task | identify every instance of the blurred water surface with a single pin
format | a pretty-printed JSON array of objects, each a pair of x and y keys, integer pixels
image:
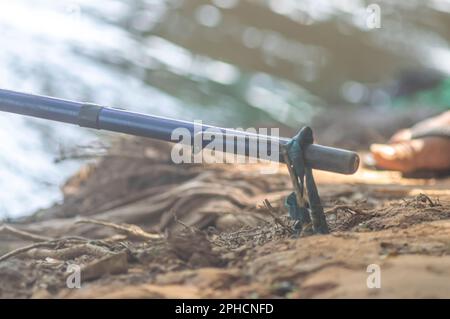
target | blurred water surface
[{"x": 230, "y": 62}]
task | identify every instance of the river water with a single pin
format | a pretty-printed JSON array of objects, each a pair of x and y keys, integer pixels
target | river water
[{"x": 38, "y": 41}]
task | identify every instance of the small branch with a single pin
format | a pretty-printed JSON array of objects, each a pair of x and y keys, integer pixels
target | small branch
[
  {"x": 92, "y": 249},
  {"x": 192, "y": 229},
  {"x": 69, "y": 252},
  {"x": 25, "y": 249},
  {"x": 425, "y": 198},
  {"x": 23, "y": 234},
  {"x": 130, "y": 230},
  {"x": 273, "y": 213},
  {"x": 340, "y": 207}
]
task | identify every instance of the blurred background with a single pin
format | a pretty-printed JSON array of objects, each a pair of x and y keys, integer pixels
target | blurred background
[{"x": 234, "y": 63}]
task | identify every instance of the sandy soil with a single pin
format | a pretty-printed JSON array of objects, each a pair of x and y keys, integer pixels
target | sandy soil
[{"x": 204, "y": 232}]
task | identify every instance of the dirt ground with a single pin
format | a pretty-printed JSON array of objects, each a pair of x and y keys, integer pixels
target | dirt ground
[{"x": 141, "y": 227}]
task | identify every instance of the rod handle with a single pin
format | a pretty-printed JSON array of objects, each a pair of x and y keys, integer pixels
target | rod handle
[{"x": 331, "y": 159}]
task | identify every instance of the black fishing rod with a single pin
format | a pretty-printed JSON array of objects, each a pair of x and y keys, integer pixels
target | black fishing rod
[{"x": 117, "y": 120}]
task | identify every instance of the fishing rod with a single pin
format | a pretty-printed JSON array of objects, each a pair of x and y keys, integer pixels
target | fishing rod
[
  {"x": 161, "y": 128},
  {"x": 299, "y": 153}
]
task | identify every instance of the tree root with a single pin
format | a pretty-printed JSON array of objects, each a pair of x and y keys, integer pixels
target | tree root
[{"x": 50, "y": 247}]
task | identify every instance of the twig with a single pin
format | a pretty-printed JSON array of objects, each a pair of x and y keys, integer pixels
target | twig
[
  {"x": 22, "y": 250},
  {"x": 54, "y": 243},
  {"x": 130, "y": 230},
  {"x": 425, "y": 198},
  {"x": 23, "y": 234},
  {"x": 272, "y": 213},
  {"x": 175, "y": 218},
  {"x": 340, "y": 207},
  {"x": 69, "y": 252}
]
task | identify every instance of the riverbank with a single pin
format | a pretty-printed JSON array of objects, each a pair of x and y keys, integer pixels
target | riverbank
[{"x": 139, "y": 226}]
